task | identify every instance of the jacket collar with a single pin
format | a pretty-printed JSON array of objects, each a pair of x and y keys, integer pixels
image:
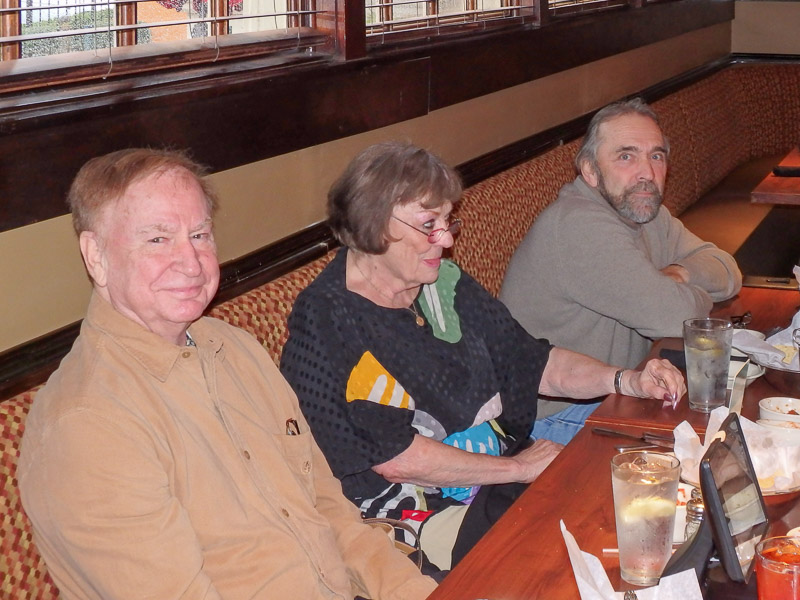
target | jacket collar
[{"x": 155, "y": 354}]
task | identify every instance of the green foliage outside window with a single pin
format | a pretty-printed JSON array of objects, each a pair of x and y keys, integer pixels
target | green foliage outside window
[{"x": 95, "y": 20}]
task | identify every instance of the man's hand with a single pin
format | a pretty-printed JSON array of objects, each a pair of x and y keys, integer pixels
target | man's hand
[
  {"x": 677, "y": 273},
  {"x": 659, "y": 379},
  {"x": 534, "y": 460}
]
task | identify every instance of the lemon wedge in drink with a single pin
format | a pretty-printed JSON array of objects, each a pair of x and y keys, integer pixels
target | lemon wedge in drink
[
  {"x": 647, "y": 508},
  {"x": 706, "y": 344}
]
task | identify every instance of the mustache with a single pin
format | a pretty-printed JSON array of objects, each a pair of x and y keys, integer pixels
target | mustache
[{"x": 643, "y": 186}]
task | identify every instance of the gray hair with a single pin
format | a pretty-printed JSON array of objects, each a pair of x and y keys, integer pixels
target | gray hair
[
  {"x": 591, "y": 141},
  {"x": 361, "y": 201}
]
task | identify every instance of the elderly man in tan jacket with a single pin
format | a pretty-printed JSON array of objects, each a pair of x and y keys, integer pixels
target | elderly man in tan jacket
[{"x": 167, "y": 457}]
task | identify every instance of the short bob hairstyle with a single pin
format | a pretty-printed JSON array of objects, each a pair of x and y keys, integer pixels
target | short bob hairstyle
[
  {"x": 591, "y": 141},
  {"x": 389, "y": 174},
  {"x": 106, "y": 178}
]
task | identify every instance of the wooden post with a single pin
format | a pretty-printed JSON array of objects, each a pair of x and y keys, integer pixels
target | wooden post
[
  {"x": 126, "y": 15},
  {"x": 346, "y": 23},
  {"x": 219, "y": 8},
  {"x": 10, "y": 25}
]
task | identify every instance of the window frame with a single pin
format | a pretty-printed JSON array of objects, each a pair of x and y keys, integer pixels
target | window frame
[{"x": 129, "y": 58}]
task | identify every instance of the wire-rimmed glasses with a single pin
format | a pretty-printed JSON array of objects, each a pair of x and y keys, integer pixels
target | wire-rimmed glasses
[{"x": 454, "y": 226}]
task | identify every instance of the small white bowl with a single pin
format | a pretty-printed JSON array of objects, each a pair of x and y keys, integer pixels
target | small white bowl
[
  {"x": 779, "y": 408},
  {"x": 754, "y": 371},
  {"x": 784, "y": 430}
]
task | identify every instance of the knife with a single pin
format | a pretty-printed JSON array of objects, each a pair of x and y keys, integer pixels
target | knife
[
  {"x": 653, "y": 439},
  {"x": 734, "y": 403}
]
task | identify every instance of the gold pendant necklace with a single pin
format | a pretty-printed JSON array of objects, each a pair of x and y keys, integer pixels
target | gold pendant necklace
[{"x": 418, "y": 318}]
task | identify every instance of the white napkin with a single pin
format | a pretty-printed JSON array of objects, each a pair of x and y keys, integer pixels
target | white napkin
[
  {"x": 775, "y": 459},
  {"x": 764, "y": 352},
  {"x": 593, "y": 582}
]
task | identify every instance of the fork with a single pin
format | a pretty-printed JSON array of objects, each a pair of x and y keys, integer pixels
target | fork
[{"x": 742, "y": 321}]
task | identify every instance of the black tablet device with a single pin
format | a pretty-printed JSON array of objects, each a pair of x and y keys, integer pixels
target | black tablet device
[
  {"x": 735, "y": 517},
  {"x": 733, "y": 502}
]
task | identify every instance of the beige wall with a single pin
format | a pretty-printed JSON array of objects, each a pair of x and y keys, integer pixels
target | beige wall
[
  {"x": 763, "y": 27},
  {"x": 265, "y": 201}
]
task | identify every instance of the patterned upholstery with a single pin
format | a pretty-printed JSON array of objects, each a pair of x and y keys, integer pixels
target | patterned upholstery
[
  {"x": 23, "y": 575},
  {"x": 681, "y": 179},
  {"x": 264, "y": 311},
  {"x": 724, "y": 120},
  {"x": 768, "y": 103},
  {"x": 498, "y": 211},
  {"x": 741, "y": 113}
]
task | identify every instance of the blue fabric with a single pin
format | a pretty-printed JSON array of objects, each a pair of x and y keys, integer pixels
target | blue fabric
[{"x": 564, "y": 425}]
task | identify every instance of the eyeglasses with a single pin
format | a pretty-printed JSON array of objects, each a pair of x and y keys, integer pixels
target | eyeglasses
[{"x": 454, "y": 226}]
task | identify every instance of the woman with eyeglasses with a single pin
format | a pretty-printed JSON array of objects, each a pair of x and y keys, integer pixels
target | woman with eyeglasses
[{"x": 418, "y": 385}]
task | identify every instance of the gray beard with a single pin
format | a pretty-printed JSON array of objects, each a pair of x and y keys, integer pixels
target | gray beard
[{"x": 638, "y": 211}]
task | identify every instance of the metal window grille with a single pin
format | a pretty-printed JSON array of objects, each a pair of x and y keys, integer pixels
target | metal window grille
[
  {"x": 30, "y": 28},
  {"x": 571, "y": 7},
  {"x": 395, "y": 17}
]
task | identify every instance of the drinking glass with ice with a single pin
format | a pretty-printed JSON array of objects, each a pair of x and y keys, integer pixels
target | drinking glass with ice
[
  {"x": 645, "y": 486},
  {"x": 707, "y": 347}
]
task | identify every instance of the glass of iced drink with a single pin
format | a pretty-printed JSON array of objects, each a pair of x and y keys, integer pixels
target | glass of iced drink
[
  {"x": 707, "y": 346},
  {"x": 778, "y": 568},
  {"x": 645, "y": 488}
]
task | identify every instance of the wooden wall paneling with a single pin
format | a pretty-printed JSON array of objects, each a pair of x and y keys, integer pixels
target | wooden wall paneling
[
  {"x": 224, "y": 124},
  {"x": 506, "y": 59}
]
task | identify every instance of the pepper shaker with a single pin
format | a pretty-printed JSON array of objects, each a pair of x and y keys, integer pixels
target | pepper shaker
[{"x": 695, "y": 510}]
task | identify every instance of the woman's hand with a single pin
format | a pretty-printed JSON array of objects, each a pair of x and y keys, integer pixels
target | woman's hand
[
  {"x": 658, "y": 379},
  {"x": 535, "y": 459},
  {"x": 432, "y": 463}
]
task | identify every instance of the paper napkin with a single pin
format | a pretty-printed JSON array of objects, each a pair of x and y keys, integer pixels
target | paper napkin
[{"x": 593, "y": 582}]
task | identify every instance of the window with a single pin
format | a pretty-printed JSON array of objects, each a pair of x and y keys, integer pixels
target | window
[
  {"x": 570, "y": 7},
  {"x": 394, "y": 17},
  {"x": 47, "y": 43},
  {"x": 91, "y": 30}
]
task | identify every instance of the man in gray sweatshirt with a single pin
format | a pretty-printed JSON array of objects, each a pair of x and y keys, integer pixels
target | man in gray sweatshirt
[{"x": 605, "y": 269}]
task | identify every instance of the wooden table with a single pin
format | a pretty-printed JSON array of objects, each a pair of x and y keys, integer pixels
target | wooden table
[
  {"x": 770, "y": 308},
  {"x": 780, "y": 190},
  {"x": 523, "y": 556}
]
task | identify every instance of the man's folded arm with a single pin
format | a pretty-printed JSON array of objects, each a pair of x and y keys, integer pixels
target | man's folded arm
[
  {"x": 616, "y": 279},
  {"x": 712, "y": 269}
]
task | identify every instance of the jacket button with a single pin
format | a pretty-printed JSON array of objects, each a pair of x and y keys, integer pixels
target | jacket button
[
  {"x": 246, "y": 454},
  {"x": 186, "y": 354},
  {"x": 285, "y": 513}
]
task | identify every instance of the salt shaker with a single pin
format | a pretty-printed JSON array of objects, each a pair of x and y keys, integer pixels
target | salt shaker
[{"x": 694, "y": 513}]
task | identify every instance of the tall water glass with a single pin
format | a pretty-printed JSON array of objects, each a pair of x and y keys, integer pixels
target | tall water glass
[
  {"x": 707, "y": 346},
  {"x": 778, "y": 568},
  {"x": 645, "y": 488}
]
